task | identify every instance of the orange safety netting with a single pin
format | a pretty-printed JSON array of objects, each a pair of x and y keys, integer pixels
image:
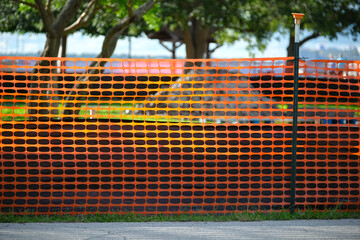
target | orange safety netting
[{"x": 173, "y": 136}]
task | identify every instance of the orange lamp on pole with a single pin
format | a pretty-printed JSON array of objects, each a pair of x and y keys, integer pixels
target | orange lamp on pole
[{"x": 297, "y": 18}]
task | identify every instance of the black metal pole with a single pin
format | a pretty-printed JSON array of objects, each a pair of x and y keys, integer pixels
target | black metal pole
[
  {"x": 294, "y": 129},
  {"x": 298, "y": 17}
]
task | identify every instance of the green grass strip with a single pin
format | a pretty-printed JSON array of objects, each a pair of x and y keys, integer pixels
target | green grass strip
[
  {"x": 131, "y": 217},
  {"x": 117, "y": 111},
  {"x": 322, "y": 106}
]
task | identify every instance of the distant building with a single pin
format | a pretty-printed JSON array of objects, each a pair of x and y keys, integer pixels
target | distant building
[{"x": 350, "y": 53}]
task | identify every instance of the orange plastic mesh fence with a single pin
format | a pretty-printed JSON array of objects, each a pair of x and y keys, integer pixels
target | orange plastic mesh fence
[{"x": 171, "y": 136}]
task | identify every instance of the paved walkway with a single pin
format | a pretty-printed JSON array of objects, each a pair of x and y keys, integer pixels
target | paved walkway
[{"x": 296, "y": 229}]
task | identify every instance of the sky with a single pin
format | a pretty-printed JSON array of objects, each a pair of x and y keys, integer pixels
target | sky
[{"x": 12, "y": 44}]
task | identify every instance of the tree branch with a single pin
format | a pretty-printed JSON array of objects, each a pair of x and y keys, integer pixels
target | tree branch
[
  {"x": 83, "y": 19},
  {"x": 48, "y": 9},
  {"x": 213, "y": 50},
  {"x": 179, "y": 45},
  {"x": 48, "y": 6},
  {"x": 26, "y": 3},
  {"x": 312, "y": 36},
  {"x": 110, "y": 41},
  {"x": 122, "y": 25},
  {"x": 44, "y": 15},
  {"x": 129, "y": 5},
  {"x": 66, "y": 14},
  {"x": 162, "y": 44}
]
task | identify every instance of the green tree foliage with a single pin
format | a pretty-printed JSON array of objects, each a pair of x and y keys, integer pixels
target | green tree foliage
[
  {"x": 52, "y": 17},
  {"x": 327, "y": 18},
  {"x": 27, "y": 16},
  {"x": 225, "y": 21},
  {"x": 112, "y": 13},
  {"x": 14, "y": 18},
  {"x": 198, "y": 20},
  {"x": 59, "y": 18},
  {"x": 120, "y": 22}
]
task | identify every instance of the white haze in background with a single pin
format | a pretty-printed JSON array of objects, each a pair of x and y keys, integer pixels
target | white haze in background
[{"x": 13, "y": 44}]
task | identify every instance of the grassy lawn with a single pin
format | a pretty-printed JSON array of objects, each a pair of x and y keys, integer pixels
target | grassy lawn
[
  {"x": 322, "y": 106},
  {"x": 131, "y": 217},
  {"x": 124, "y": 111}
]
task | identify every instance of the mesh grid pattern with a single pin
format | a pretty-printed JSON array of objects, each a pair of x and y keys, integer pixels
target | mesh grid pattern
[{"x": 173, "y": 136}]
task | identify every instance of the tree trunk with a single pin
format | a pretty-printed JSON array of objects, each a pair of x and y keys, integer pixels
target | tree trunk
[
  {"x": 196, "y": 40},
  {"x": 109, "y": 45},
  {"x": 51, "y": 49},
  {"x": 63, "y": 45},
  {"x": 291, "y": 46},
  {"x": 108, "y": 48},
  {"x": 54, "y": 28},
  {"x": 52, "y": 46},
  {"x": 173, "y": 50}
]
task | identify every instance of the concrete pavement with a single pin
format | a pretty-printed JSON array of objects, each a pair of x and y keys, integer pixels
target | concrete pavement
[{"x": 295, "y": 229}]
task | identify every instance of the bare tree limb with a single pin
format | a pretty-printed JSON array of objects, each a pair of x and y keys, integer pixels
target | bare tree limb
[
  {"x": 162, "y": 44},
  {"x": 312, "y": 36},
  {"x": 83, "y": 19},
  {"x": 122, "y": 25},
  {"x": 217, "y": 46},
  {"x": 44, "y": 15},
  {"x": 179, "y": 45},
  {"x": 26, "y": 3},
  {"x": 66, "y": 14}
]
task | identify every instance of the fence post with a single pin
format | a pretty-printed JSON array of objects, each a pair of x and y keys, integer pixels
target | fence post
[{"x": 297, "y": 17}]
